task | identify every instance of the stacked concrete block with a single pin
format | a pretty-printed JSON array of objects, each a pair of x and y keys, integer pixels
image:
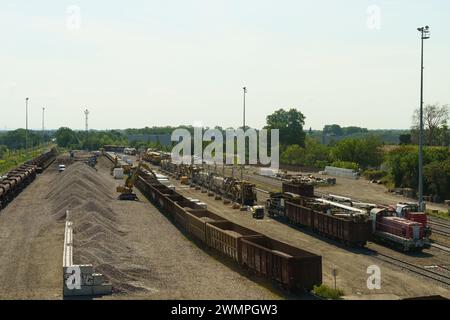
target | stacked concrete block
[{"x": 80, "y": 280}]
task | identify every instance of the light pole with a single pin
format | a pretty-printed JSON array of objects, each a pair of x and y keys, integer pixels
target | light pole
[
  {"x": 424, "y": 34},
  {"x": 86, "y": 119},
  {"x": 26, "y": 124},
  {"x": 243, "y": 164},
  {"x": 43, "y": 126},
  {"x": 245, "y": 91}
]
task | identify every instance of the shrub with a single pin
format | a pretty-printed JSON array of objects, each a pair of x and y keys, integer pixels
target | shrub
[
  {"x": 374, "y": 174},
  {"x": 326, "y": 292},
  {"x": 345, "y": 165},
  {"x": 321, "y": 164}
]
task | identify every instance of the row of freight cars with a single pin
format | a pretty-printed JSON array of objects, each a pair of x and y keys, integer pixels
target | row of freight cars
[
  {"x": 297, "y": 204},
  {"x": 19, "y": 178},
  {"x": 352, "y": 226},
  {"x": 293, "y": 268}
]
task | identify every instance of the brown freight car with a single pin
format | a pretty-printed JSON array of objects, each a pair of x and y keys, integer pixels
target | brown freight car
[
  {"x": 306, "y": 190},
  {"x": 294, "y": 268},
  {"x": 225, "y": 236},
  {"x": 197, "y": 220},
  {"x": 355, "y": 231}
]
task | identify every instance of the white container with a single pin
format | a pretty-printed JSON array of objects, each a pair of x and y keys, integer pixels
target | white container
[
  {"x": 118, "y": 173},
  {"x": 202, "y": 205},
  {"x": 165, "y": 182},
  {"x": 268, "y": 172}
]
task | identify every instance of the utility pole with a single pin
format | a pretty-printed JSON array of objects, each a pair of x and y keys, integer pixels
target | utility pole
[
  {"x": 425, "y": 34},
  {"x": 26, "y": 124},
  {"x": 86, "y": 115}
]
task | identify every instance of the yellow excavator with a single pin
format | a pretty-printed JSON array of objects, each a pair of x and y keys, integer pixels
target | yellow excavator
[
  {"x": 126, "y": 191},
  {"x": 115, "y": 164}
]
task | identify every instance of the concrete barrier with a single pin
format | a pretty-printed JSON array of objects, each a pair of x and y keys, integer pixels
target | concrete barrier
[{"x": 80, "y": 280}]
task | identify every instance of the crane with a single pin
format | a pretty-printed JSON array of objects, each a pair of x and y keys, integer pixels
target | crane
[{"x": 126, "y": 191}]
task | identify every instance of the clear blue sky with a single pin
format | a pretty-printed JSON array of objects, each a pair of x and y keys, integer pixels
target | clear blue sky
[{"x": 144, "y": 63}]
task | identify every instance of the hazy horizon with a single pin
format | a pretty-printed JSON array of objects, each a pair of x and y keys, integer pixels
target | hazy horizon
[{"x": 157, "y": 63}]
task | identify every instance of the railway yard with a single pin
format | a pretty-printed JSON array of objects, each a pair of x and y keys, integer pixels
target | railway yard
[{"x": 184, "y": 239}]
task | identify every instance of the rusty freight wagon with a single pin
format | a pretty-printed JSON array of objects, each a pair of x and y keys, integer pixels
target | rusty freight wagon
[
  {"x": 19, "y": 178},
  {"x": 352, "y": 230},
  {"x": 294, "y": 268},
  {"x": 5, "y": 194},
  {"x": 197, "y": 220},
  {"x": 44, "y": 160},
  {"x": 306, "y": 190},
  {"x": 225, "y": 236},
  {"x": 28, "y": 172}
]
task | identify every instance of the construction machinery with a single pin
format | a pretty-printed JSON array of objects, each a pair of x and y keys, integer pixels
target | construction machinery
[
  {"x": 276, "y": 204},
  {"x": 126, "y": 191},
  {"x": 257, "y": 212},
  {"x": 115, "y": 164}
]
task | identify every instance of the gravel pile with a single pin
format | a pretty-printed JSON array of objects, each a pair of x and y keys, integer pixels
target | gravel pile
[{"x": 98, "y": 239}]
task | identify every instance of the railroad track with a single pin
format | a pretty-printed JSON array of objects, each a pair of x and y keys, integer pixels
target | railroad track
[
  {"x": 439, "y": 221},
  {"x": 441, "y": 277},
  {"x": 441, "y": 247},
  {"x": 440, "y": 228}
]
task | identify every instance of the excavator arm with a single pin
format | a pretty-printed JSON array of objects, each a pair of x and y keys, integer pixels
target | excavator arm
[{"x": 126, "y": 191}]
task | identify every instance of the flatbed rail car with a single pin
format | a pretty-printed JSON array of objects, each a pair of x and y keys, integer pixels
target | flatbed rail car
[
  {"x": 44, "y": 160},
  {"x": 352, "y": 231},
  {"x": 16, "y": 180},
  {"x": 227, "y": 238}
]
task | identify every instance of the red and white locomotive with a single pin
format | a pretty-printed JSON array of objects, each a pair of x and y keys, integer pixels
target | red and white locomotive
[{"x": 406, "y": 234}]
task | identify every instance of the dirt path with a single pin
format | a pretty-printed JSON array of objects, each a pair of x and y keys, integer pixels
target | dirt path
[{"x": 31, "y": 245}]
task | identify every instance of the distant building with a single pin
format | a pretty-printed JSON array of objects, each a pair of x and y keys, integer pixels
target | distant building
[{"x": 162, "y": 139}]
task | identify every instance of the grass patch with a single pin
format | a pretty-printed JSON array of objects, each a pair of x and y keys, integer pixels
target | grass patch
[
  {"x": 345, "y": 165},
  {"x": 17, "y": 158},
  {"x": 326, "y": 292},
  {"x": 439, "y": 214}
]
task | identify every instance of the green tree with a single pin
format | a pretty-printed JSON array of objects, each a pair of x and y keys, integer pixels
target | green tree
[
  {"x": 293, "y": 155},
  {"x": 314, "y": 154},
  {"x": 364, "y": 152},
  {"x": 290, "y": 123},
  {"x": 3, "y": 151},
  {"x": 16, "y": 139},
  {"x": 437, "y": 178},
  {"x": 403, "y": 165},
  {"x": 66, "y": 138},
  {"x": 405, "y": 138},
  {"x": 435, "y": 118},
  {"x": 353, "y": 130},
  {"x": 333, "y": 129}
]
